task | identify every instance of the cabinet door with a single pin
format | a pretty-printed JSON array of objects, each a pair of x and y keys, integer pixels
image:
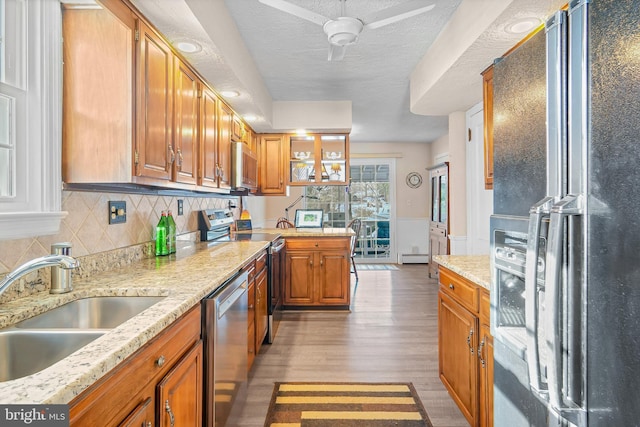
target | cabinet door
[
  {"x": 261, "y": 308},
  {"x": 186, "y": 124},
  {"x": 487, "y": 97},
  {"x": 99, "y": 53},
  {"x": 333, "y": 284},
  {"x": 180, "y": 392},
  {"x": 155, "y": 153},
  {"x": 299, "y": 278},
  {"x": 485, "y": 358},
  {"x": 143, "y": 416},
  {"x": 225, "y": 124},
  {"x": 208, "y": 139},
  {"x": 272, "y": 179},
  {"x": 457, "y": 343}
]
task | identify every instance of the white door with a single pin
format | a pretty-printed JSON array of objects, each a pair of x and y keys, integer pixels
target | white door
[{"x": 479, "y": 200}]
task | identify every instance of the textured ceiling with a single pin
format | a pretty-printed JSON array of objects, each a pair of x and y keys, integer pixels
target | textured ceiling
[
  {"x": 269, "y": 55},
  {"x": 291, "y": 55}
]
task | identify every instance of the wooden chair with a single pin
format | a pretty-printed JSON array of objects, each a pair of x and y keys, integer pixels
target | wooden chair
[
  {"x": 284, "y": 223},
  {"x": 355, "y": 225}
]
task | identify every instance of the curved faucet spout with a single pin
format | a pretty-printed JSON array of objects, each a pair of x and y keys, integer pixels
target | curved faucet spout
[{"x": 63, "y": 261}]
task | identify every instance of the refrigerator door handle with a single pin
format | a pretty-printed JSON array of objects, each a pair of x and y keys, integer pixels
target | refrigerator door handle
[
  {"x": 536, "y": 214},
  {"x": 568, "y": 206}
]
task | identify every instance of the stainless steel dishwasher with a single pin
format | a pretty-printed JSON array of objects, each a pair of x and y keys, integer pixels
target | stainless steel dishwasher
[{"x": 225, "y": 357}]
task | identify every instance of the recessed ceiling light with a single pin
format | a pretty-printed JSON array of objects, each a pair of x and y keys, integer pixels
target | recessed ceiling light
[
  {"x": 230, "y": 93},
  {"x": 187, "y": 46},
  {"x": 523, "y": 25},
  {"x": 250, "y": 118},
  {"x": 301, "y": 132}
]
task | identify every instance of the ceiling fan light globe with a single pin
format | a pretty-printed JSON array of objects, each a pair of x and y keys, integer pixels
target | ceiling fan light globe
[{"x": 343, "y": 31}]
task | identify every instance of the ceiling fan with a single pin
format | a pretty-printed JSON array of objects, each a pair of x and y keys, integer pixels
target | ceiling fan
[{"x": 344, "y": 30}]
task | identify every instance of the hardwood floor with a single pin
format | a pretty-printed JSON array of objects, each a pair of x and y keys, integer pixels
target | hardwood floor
[{"x": 390, "y": 334}]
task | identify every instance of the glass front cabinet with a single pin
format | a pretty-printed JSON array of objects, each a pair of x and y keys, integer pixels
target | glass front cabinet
[
  {"x": 320, "y": 158},
  {"x": 439, "y": 218}
]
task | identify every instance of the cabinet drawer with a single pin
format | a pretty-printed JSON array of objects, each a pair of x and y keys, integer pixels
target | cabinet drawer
[
  {"x": 462, "y": 290},
  {"x": 485, "y": 307},
  {"x": 261, "y": 262},
  {"x": 306, "y": 243}
]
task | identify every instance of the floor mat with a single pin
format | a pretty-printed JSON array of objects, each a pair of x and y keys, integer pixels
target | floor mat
[
  {"x": 346, "y": 405},
  {"x": 376, "y": 267}
]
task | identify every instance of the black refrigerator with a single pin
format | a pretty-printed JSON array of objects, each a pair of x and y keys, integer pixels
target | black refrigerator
[{"x": 565, "y": 241}]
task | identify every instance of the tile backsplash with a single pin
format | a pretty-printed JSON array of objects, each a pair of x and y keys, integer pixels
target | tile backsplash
[{"x": 87, "y": 228}]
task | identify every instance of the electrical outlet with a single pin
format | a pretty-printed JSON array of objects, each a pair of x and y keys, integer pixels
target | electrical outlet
[
  {"x": 117, "y": 212},
  {"x": 180, "y": 207}
]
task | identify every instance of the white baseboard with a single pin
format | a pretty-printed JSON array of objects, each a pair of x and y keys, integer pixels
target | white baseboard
[{"x": 413, "y": 258}]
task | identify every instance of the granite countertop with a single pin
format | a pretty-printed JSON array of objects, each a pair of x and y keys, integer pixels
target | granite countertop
[
  {"x": 310, "y": 232},
  {"x": 185, "y": 278},
  {"x": 473, "y": 267}
]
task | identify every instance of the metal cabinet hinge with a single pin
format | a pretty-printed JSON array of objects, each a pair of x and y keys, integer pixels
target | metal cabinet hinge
[
  {"x": 136, "y": 158},
  {"x": 137, "y": 35}
]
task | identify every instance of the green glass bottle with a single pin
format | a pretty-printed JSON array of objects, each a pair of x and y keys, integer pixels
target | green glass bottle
[
  {"x": 171, "y": 233},
  {"x": 161, "y": 236}
]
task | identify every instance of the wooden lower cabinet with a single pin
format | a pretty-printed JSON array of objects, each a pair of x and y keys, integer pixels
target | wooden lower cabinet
[
  {"x": 465, "y": 356},
  {"x": 180, "y": 392},
  {"x": 136, "y": 392},
  {"x": 317, "y": 272},
  {"x": 257, "y": 317}
]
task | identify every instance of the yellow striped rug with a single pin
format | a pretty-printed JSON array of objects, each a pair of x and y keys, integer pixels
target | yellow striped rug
[{"x": 346, "y": 405}]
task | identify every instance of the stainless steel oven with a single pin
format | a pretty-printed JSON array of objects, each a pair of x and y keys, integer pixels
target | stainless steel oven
[{"x": 276, "y": 286}]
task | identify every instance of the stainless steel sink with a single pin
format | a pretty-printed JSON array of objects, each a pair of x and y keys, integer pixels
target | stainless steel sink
[
  {"x": 91, "y": 313},
  {"x": 27, "y": 352}
]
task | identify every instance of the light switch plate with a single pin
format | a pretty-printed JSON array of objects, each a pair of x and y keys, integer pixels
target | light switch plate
[{"x": 117, "y": 212}]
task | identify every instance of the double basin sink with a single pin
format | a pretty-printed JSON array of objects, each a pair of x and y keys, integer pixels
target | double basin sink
[{"x": 34, "y": 344}]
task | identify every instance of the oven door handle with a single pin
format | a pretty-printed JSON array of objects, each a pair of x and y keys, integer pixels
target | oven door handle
[{"x": 278, "y": 246}]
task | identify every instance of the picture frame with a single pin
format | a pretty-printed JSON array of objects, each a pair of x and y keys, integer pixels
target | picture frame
[{"x": 309, "y": 218}]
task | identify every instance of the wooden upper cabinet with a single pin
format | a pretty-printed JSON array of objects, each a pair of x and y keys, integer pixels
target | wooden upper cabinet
[
  {"x": 208, "y": 139},
  {"x": 487, "y": 97},
  {"x": 186, "y": 124},
  {"x": 271, "y": 158},
  {"x": 155, "y": 152},
  {"x": 225, "y": 129},
  {"x": 238, "y": 130},
  {"x": 98, "y": 90}
]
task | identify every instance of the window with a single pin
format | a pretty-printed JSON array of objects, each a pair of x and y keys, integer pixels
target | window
[
  {"x": 30, "y": 118},
  {"x": 370, "y": 198}
]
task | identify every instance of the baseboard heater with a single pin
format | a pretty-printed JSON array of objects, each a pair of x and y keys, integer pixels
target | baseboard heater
[{"x": 413, "y": 258}]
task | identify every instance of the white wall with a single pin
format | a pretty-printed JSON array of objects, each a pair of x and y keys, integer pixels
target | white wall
[{"x": 479, "y": 200}]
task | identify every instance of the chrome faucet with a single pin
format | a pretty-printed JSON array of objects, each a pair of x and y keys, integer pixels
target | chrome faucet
[{"x": 57, "y": 261}]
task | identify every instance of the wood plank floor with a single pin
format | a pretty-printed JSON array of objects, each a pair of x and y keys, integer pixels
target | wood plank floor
[{"x": 390, "y": 334}]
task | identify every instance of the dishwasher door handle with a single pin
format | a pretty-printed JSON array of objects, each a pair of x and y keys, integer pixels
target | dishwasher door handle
[{"x": 225, "y": 304}]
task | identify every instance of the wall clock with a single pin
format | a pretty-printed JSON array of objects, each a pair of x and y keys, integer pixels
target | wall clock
[{"x": 414, "y": 179}]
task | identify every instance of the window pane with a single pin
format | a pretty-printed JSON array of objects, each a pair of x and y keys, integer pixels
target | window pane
[
  {"x": 7, "y": 178},
  {"x": 13, "y": 30}
]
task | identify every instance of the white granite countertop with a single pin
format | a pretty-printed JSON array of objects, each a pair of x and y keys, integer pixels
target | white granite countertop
[
  {"x": 473, "y": 267},
  {"x": 184, "y": 279},
  {"x": 310, "y": 232}
]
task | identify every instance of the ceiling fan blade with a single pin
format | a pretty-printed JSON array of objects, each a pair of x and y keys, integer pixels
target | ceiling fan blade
[
  {"x": 336, "y": 53},
  {"x": 396, "y": 13},
  {"x": 295, "y": 10}
]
